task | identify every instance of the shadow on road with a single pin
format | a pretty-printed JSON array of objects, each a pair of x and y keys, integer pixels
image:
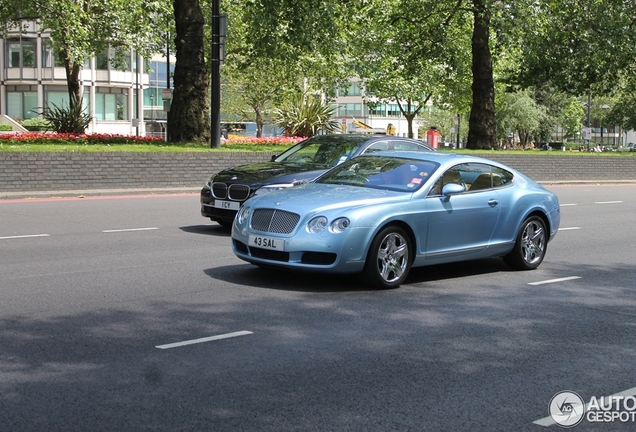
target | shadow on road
[
  {"x": 287, "y": 280},
  {"x": 214, "y": 230}
]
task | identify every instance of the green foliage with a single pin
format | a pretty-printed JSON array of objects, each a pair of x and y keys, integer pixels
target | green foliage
[
  {"x": 623, "y": 109},
  {"x": 576, "y": 45},
  {"x": 81, "y": 29},
  {"x": 36, "y": 124},
  {"x": 71, "y": 119},
  {"x": 520, "y": 113},
  {"x": 305, "y": 115},
  {"x": 5, "y": 127}
]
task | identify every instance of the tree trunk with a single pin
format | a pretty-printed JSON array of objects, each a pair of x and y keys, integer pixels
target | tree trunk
[
  {"x": 482, "y": 129},
  {"x": 189, "y": 115},
  {"x": 259, "y": 120},
  {"x": 73, "y": 83}
]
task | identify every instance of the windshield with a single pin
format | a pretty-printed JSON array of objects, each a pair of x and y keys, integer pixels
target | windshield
[
  {"x": 323, "y": 150},
  {"x": 381, "y": 172}
]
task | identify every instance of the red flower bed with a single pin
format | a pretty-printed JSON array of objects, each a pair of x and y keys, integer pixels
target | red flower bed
[
  {"x": 100, "y": 138},
  {"x": 66, "y": 138},
  {"x": 281, "y": 140}
]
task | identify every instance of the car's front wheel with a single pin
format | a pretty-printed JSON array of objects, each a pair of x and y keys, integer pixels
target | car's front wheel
[
  {"x": 530, "y": 246},
  {"x": 389, "y": 258}
]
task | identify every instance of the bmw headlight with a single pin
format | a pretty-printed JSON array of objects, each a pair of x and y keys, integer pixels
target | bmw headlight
[
  {"x": 270, "y": 188},
  {"x": 340, "y": 224},
  {"x": 243, "y": 214},
  {"x": 317, "y": 225}
]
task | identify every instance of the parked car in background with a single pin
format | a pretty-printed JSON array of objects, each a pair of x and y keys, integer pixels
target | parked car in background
[
  {"x": 382, "y": 213},
  {"x": 226, "y": 191}
]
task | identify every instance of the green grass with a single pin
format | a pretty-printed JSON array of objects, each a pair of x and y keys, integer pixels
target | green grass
[{"x": 161, "y": 146}]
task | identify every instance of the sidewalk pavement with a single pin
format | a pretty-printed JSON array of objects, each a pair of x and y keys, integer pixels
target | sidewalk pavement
[{"x": 83, "y": 193}]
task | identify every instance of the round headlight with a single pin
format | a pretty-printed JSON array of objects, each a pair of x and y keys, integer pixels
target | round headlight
[
  {"x": 317, "y": 225},
  {"x": 243, "y": 214},
  {"x": 340, "y": 224}
]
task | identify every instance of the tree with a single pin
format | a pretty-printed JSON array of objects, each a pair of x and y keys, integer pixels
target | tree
[
  {"x": 81, "y": 29},
  {"x": 401, "y": 64},
  {"x": 252, "y": 91},
  {"x": 623, "y": 109},
  {"x": 188, "y": 118},
  {"x": 578, "y": 46},
  {"x": 518, "y": 112},
  {"x": 482, "y": 127}
]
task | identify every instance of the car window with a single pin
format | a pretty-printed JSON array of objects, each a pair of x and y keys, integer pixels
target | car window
[
  {"x": 378, "y": 146},
  {"x": 408, "y": 146},
  {"x": 474, "y": 177},
  {"x": 452, "y": 175},
  {"x": 488, "y": 177},
  {"x": 501, "y": 177},
  {"x": 328, "y": 154}
]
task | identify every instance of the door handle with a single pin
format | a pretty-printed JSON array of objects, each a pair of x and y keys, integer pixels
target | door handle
[{"x": 493, "y": 202}]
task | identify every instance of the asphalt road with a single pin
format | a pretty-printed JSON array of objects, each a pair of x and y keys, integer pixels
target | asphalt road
[{"x": 102, "y": 300}]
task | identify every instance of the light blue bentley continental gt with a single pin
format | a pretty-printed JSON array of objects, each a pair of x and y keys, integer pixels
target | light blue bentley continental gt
[{"x": 383, "y": 213}]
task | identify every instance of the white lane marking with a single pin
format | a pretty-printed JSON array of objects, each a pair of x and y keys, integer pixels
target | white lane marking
[
  {"x": 25, "y": 236},
  {"x": 547, "y": 421},
  {"x": 608, "y": 202},
  {"x": 569, "y": 228},
  {"x": 130, "y": 229},
  {"x": 205, "y": 339},
  {"x": 554, "y": 280},
  {"x": 568, "y": 205}
]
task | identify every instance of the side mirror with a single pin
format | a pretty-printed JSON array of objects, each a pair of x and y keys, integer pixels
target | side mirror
[
  {"x": 273, "y": 159},
  {"x": 453, "y": 189}
]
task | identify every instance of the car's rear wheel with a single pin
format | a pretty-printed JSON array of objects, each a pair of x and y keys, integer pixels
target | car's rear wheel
[
  {"x": 530, "y": 246},
  {"x": 389, "y": 258}
]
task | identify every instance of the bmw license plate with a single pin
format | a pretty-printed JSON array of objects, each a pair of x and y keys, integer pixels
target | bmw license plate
[
  {"x": 227, "y": 205},
  {"x": 267, "y": 243}
]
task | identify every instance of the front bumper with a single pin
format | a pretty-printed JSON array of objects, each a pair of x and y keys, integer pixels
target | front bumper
[
  {"x": 210, "y": 210},
  {"x": 328, "y": 252}
]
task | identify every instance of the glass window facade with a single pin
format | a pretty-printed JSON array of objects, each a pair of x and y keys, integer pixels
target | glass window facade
[
  {"x": 49, "y": 57},
  {"x": 352, "y": 89},
  {"x": 158, "y": 74},
  {"x": 350, "y": 110},
  {"x": 378, "y": 110},
  {"x": 21, "y": 53},
  {"x": 111, "y": 106},
  {"x": 393, "y": 110},
  {"x": 22, "y": 105}
]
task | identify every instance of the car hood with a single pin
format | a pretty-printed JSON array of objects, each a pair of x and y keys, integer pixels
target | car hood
[
  {"x": 323, "y": 197},
  {"x": 270, "y": 173}
]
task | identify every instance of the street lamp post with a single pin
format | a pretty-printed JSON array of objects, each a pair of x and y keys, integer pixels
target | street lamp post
[
  {"x": 152, "y": 114},
  {"x": 215, "y": 77},
  {"x": 219, "y": 22}
]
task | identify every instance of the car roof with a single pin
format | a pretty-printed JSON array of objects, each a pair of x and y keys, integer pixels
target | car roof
[
  {"x": 442, "y": 158},
  {"x": 362, "y": 138}
]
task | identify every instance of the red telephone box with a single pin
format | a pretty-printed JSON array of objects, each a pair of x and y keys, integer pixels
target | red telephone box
[{"x": 432, "y": 137}]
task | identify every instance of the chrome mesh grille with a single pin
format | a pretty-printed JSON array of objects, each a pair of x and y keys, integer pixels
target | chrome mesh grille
[
  {"x": 238, "y": 192},
  {"x": 274, "y": 221}
]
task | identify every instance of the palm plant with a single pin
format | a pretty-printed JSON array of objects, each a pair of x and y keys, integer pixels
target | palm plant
[
  {"x": 305, "y": 115},
  {"x": 71, "y": 119}
]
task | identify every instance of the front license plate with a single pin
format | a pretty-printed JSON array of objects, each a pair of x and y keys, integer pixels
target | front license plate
[
  {"x": 267, "y": 243},
  {"x": 227, "y": 205}
]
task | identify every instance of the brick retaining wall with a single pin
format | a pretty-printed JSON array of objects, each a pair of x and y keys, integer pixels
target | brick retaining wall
[{"x": 86, "y": 171}]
